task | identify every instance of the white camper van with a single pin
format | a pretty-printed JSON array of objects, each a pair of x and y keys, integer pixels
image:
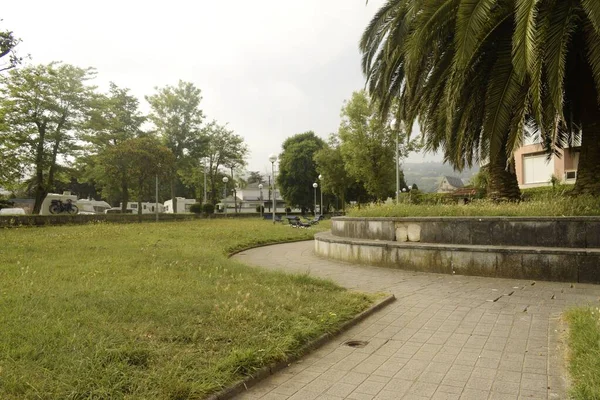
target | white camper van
[
  {"x": 89, "y": 206},
  {"x": 45, "y": 210},
  {"x": 183, "y": 205},
  {"x": 147, "y": 208}
]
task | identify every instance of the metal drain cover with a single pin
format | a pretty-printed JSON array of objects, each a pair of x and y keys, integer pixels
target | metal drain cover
[{"x": 355, "y": 343}]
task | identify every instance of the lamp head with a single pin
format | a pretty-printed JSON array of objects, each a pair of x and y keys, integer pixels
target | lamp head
[
  {"x": 225, "y": 179},
  {"x": 260, "y": 186},
  {"x": 320, "y": 177},
  {"x": 315, "y": 185},
  {"x": 273, "y": 158}
]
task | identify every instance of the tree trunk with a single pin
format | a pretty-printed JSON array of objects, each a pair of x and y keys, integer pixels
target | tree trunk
[
  {"x": 588, "y": 170},
  {"x": 503, "y": 184},
  {"x": 40, "y": 189},
  {"x": 173, "y": 196},
  {"x": 124, "y": 194}
]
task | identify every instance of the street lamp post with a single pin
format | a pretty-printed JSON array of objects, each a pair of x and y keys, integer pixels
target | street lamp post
[
  {"x": 315, "y": 186},
  {"x": 225, "y": 180},
  {"x": 321, "y": 206},
  {"x": 262, "y": 205},
  {"x": 395, "y": 127},
  {"x": 272, "y": 159}
]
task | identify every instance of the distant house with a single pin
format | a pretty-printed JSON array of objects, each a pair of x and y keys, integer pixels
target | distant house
[
  {"x": 534, "y": 167},
  {"x": 250, "y": 197},
  {"x": 449, "y": 184}
]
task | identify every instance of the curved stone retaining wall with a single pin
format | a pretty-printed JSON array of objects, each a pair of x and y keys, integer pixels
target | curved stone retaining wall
[
  {"x": 556, "y": 249},
  {"x": 573, "y": 232}
]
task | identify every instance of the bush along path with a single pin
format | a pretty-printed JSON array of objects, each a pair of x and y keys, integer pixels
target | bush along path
[
  {"x": 446, "y": 337},
  {"x": 152, "y": 311}
]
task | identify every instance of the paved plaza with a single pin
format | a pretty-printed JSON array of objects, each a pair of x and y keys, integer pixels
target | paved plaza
[{"x": 445, "y": 337}]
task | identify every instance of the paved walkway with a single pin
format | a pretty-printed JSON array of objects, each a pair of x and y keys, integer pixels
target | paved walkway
[{"x": 445, "y": 337}]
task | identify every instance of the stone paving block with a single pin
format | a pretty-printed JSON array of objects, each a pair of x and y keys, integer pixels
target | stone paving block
[
  {"x": 502, "y": 396},
  {"x": 531, "y": 395},
  {"x": 289, "y": 388},
  {"x": 360, "y": 396},
  {"x": 328, "y": 397},
  {"x": 508, "y": 387},
  {"x": 479, "y": 383},
  {"x": 385, "y": 395},
  {"x": 318, "y": 386},
  {"x": 304, "y": 395},
  {"x": 370, "y": 387},
  {"x": 423, "y": 388},
  {"x": 341, "y": 389},
  {"x": 354, "y": 378},
  {"x": 474, "y": 394}
]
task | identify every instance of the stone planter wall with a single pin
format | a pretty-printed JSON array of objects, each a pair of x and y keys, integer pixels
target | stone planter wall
[
  {"x": 556, "y": 249},
  {"x": 572, "y": 232}
]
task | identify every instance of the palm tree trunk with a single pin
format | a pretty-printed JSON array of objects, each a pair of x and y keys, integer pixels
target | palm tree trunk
[
  {"x": 588, "y": 170},
  {"x": 503, "y": 184}
]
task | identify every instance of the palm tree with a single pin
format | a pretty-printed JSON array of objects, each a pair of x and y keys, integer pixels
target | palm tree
[{"x": 475, "y": 72}]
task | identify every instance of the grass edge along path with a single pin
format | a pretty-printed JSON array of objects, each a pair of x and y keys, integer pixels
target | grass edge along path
[
  {"x": 584, "y": 352},
  {"x": 153, "y": 310}
]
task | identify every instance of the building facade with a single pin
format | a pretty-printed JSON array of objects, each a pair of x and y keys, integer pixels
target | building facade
[{"x": 534, "y": 167}]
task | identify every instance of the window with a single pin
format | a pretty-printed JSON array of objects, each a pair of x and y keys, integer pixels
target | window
[
  {"x": 133, "y": 205},
  {"x": 537, "y": 168}
]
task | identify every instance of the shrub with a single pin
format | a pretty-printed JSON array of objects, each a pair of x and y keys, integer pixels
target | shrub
[
  {"x": 208, "y": 209},
  {"x": 196, "y": 208},
  {"x": 6, "y": 204}
]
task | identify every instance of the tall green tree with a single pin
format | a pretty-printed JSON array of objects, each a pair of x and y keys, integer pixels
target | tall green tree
[
  {"x": 176, "y": 114},
  {"x": 138, "y": 161},
  {"x": 298, "y": 170},
  {"x": 475, "y": 72},
  {"x": 330, "y": 164},
  {"x": 8, "y": 56},
  {"x": 41, "y": 109},
  {"x": 367, "y": 145},
  {"x": 224, "y": 149},
  {"x": 113, "y": 119}
]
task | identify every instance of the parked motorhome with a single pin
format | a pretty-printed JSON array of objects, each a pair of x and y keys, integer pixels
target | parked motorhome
[
  {"x": 89, "y": 206},
  {"x": 183, "y": 205},
  {"x": 45, "y": 210},
  {"x": 147, "y": 208}
]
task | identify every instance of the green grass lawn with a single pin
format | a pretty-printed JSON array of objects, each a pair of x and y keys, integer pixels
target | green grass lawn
[
  {"x": 551, "y": 206},
  {"x": 584, "y": 357},
  {"x": 151, "y": 311}
]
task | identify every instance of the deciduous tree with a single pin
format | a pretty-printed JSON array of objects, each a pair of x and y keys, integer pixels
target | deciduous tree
[
  {"x": 41, "y": 109},
  {"x": 298, "y": 170},
  {"x": 177, "y": 116},
  {"x": 367, "y": 146},
  {"x": 113, "y": 118}
]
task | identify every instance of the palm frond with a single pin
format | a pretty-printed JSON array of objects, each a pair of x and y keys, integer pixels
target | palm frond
[
  {"x": 592, "y": 9},
  {"x": 525, "y": 40},
  {"x": 592, "y": 38},
  {"x": 472, "y": 19},
  {"x": 501, "y": 97},
  {"x": 563, "y": 23}
]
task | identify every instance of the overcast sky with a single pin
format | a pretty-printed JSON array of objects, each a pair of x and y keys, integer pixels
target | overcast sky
[{"x": 269, "y": 68}]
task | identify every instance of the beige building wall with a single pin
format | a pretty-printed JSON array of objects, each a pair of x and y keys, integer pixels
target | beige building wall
[{"x": 566, "y": 160}]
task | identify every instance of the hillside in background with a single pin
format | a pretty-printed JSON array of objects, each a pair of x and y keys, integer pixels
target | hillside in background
[{"x": 428, "y": 175}]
